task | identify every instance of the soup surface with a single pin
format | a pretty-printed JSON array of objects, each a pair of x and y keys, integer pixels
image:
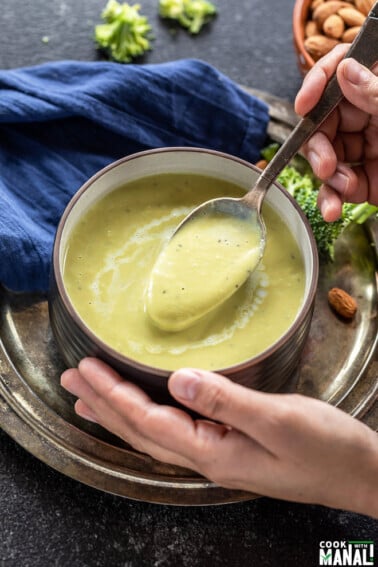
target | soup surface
[{"x": 111, "y": 253}]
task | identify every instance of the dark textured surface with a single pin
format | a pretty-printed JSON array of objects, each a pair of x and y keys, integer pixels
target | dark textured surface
[
  {"x": 48, "y": 519},
  {"x": 250, "y": 40}
]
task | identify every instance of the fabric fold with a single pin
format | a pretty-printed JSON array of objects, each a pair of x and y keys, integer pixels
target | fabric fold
[{"x": 61, "y": 122}]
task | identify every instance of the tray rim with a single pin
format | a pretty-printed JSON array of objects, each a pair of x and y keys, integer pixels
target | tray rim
[{"x": 31, "y": 435}]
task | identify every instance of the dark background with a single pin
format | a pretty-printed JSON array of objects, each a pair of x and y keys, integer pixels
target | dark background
[{"x": 47, "y": 519}]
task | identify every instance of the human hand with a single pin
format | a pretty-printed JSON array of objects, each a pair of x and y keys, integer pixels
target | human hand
[
  {"x": 280, "y": 445},
  {"x": 344, "y": 151}
]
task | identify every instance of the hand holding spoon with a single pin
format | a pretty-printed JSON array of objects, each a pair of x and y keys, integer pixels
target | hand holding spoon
[{"x": 224, "y": 239}]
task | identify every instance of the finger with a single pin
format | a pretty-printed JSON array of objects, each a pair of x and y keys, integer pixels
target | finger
[
  {"x": 71, "y": 381},
  {"x": 351, "y": 183},
  {"x": 359, "y": 85},
  {"x": 351, "y": 118},
  {"x": 317, "y": 79},
  {"x": 321, "y": 155},
  {"x": 167, "y": 433},
  {"x": 350, "y": 147},
  {"x": 84, "y": 411},
  {"x": 253, "y": 413},
  {"x": 94, "y": 408},
  {"x": 132, "y": 438},
  {"x": 329, "y": 203}
]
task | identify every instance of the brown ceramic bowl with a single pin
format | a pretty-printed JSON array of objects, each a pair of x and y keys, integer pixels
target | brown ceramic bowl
[
  {"x": 301, "y": 14},
  {"x": 269, "y": 370}
]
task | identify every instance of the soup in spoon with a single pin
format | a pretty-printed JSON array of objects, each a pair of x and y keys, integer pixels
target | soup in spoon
[{"x": 201, "y": 266}]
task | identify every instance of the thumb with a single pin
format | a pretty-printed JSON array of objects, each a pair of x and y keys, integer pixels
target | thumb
[
  {"x": 218, "y": 398},
  {"x": 359, "y": 85}
]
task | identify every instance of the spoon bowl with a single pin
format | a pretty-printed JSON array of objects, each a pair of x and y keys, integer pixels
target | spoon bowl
[{"x": 208, "y": 258}]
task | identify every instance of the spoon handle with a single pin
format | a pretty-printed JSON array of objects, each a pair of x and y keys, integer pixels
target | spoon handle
[{"x": 365, "y": 50}]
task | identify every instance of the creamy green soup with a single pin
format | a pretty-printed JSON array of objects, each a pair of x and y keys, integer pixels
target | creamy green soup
[{"x": 111, "y": 254}]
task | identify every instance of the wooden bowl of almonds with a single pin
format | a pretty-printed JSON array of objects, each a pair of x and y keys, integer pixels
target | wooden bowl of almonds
[{"x": 319, "y": 25}]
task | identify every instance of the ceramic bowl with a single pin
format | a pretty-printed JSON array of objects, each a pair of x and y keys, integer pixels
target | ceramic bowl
[{"x": 269, "y": 370}]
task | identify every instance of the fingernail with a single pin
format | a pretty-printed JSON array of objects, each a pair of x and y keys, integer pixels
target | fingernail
[
  {"x": 313, "y": 78},
  {"x": 185, "y": 384},
  {"x": 65, "y": 383},
  {"x": 339, "y": 181},
  {"x": 324, "y": 206},
  {"x": 355, "y": 73},
  {"x": 313, "y": 159},
  {"x": 87, "y": 417},
  {"x": 326, "y": 209},
  {"x": 86, "y": 414}
]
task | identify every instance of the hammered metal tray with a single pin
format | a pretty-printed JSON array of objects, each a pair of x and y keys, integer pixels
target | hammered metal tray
[{"x": 339, "y": 365}]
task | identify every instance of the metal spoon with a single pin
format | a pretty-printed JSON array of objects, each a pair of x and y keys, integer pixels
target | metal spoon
[
  {"x": 365, "y": 50},
  {"x": 179, "y": 309}
]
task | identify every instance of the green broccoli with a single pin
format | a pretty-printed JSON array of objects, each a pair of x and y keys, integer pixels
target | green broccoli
[
  {"x": 191, "y": 14},
  {"x": 299, "y": 180},
  {"x": 125, "y": 34}
]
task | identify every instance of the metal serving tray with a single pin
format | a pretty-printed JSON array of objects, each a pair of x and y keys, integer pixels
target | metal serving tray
[{"x": 339, "y": 365}]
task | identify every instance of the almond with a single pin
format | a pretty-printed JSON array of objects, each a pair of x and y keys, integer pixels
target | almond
[
  {"x": 343, "y": 303},
  {"x": 319, "y": 45},
  {"x": 334, "y": 26},
  {"x": 350, "y": 34},
  {"x": 261, "y": 164},
  {"x": 311, "y": 29},
  {"x": 364, "y": 6},
  {"x": 323, "y": 11},
  {"x": 351, "y": 16}
]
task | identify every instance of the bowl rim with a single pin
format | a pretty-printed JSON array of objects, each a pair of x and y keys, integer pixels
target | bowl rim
[
  {"x": 299, "y": 18},
  {"x": 124, "y": 360}
]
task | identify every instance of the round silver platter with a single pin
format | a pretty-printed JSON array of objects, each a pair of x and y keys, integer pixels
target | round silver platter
[{"x": 339, "y": 365}]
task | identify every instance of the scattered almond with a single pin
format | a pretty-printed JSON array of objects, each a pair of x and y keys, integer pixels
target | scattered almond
[
  {"x": 349, "y": 34},
  {"x": 334, "y": 26},
  {"x": 343, "y": 303},
  {"x": 319, "y": 45},
  {"x": 261, "y": 164}
]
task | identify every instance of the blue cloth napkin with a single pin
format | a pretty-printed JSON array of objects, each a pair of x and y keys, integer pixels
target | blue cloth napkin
[{"x": 61, "y": 122}]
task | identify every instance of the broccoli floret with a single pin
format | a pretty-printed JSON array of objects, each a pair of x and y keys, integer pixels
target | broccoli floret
[
  {"x": 302, "y": 188},
  {"x": 299, "y": 180},
  {"x": 125, "y": 35},
  {"x": 325, "y": 233},
  {"x": 360, "y": 213},
  {"x": 191, "y": 14}
]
